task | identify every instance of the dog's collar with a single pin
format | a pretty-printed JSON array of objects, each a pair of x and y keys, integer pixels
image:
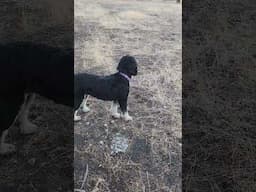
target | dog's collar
[{"x": 125, "y": 76}]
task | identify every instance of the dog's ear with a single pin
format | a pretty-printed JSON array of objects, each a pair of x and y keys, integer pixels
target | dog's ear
[{"x": 128, "y": 65}]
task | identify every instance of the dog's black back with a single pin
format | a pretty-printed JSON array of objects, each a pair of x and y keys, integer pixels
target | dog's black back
[
  {"x": 40, "y": 69},
  {"x": 26, "y": 67},
  {"x": 107, "y": 88}
]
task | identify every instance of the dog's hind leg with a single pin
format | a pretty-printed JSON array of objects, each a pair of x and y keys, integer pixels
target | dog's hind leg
[
  {"x": 77, "y": 117},
  {"x": 84, "y": 106},
  {"x": 6, "y": 148},
  {"x": 26, "y": 126},
  {"x": 114, "y": 111}
]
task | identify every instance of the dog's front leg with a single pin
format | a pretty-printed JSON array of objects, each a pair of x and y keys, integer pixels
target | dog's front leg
[
  {"x": 125, "y": 115},
  {"x": 114, "y": 111},
  {"x": 6, "y": 148},
  {"x": 26, "y": 126}
]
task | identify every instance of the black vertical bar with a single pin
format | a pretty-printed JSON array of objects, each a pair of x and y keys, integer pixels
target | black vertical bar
[{"x": 37, "y": 56}]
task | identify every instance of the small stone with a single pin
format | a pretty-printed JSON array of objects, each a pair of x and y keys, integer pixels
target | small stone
[
  {"x": 101, "y": 142},
  {"x": 119, "y": 144},
  {"x": 112, "y": 121},
  {"x": 32, "y": 161},
  {"x": 105, "y": 125},
  {"x": 87, "y": 123}
]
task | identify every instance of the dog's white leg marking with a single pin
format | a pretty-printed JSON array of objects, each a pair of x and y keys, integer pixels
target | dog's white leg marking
[
  {"x": 126, "y": 116},
  {"x": 26, "y": 126},
  {"x": 77, "y": 117},
  {"x": 114, "y": 111},
  {"x": 6, "y": 148},
  {"x": 85, "y": 108}
]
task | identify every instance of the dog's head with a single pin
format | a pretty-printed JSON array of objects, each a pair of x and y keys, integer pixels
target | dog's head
[{"x": 128, "y": 65}]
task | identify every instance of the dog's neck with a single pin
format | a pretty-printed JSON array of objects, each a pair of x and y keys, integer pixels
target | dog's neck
[{"x": 125, "y": 76}]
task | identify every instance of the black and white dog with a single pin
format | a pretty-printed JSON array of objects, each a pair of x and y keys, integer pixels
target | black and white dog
[
  {"x": 114, "y": 88},
  {"x": 29, "y": 68}
]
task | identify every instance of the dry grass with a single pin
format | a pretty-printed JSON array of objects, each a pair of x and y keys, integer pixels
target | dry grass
[
  {"x": 151, "y": 31},
  {"x": 41, "y": 21},
  {"x": 219, "y": 97}
]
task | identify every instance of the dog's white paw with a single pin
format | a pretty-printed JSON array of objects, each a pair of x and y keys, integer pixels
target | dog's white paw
[
  {"x": 127, "y": 117},
  {"x": 6, "y": 148},
  {"x": 28, "y": 128},
  {"x": 77, "y": 118},
  {"x": 85, "y": 109},
  {"x": 116, "y": 115}
]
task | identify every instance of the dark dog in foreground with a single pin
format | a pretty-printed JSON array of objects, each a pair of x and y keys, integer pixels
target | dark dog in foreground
[
  {"x": 28, "y": 68},
  {"x": 109, "y": 88}
]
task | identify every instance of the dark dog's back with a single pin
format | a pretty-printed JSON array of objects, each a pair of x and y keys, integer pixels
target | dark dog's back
[
  {"x": 101, "y": 87},
  {"x": 107, "y": 88},
  {"x": 41, "y": 69}
]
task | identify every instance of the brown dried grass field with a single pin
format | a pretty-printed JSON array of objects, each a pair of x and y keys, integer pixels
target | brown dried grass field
[{"x": 150, "y": 31}]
